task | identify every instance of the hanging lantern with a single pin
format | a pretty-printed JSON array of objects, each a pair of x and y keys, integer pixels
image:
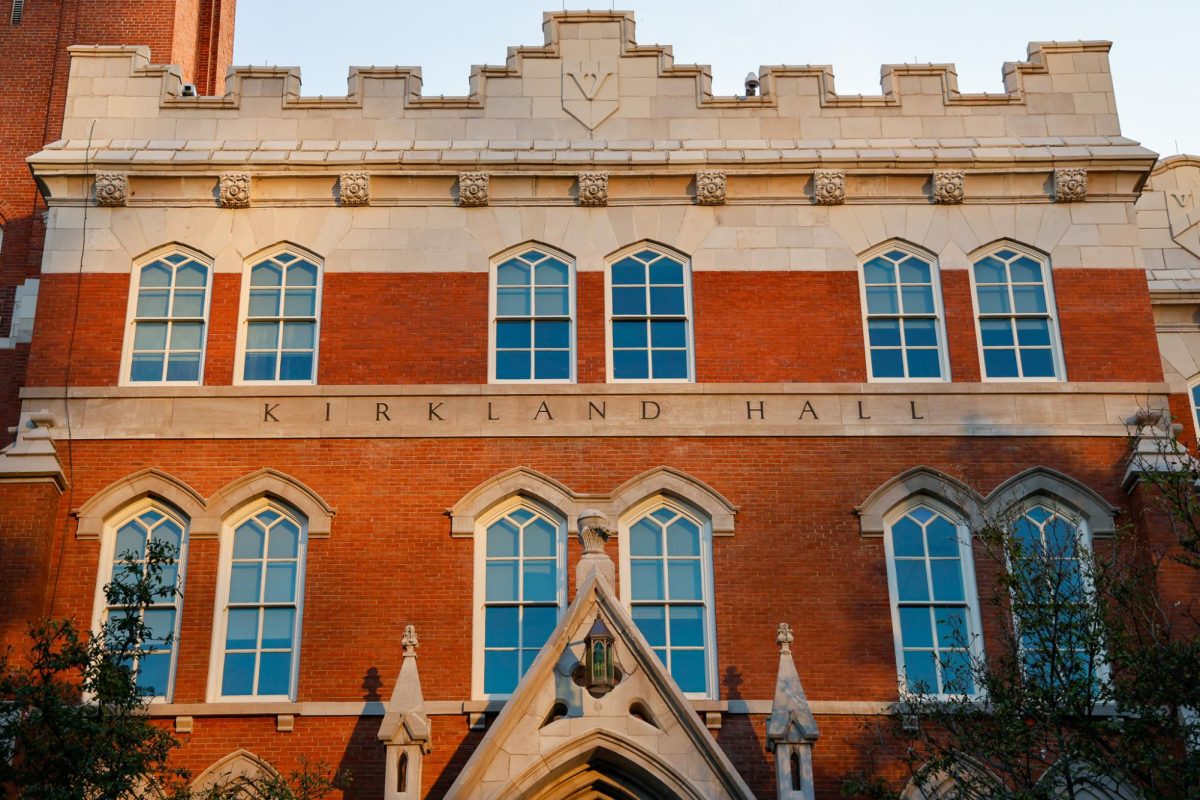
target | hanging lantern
[{"x": 598, "y": 673}]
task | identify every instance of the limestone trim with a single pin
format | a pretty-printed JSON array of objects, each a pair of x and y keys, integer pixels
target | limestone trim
[
  {"x": 31, "y": 458},
  {"x": 1061, "y": 490},
  {"x": 473, "y": 189},
  {"x": 558, "y": 498},
  {"x": 949, "y": 186},
  {"x": 266, "y": 483},
  {"x": 151, "y": 483},
  {"x": 233, "y": 189},
  {"x": 238, "y": 764},
  {"x": 354, "y": 188},
  {"x": 711, "y": 187},
  {"x": 918, "y": 482},
  {"x": 593, "y": 188},
  {"x": 829, "y": 187},
  {"x": 1070, "y": 185},
  {"x": 111, "y": 189}
]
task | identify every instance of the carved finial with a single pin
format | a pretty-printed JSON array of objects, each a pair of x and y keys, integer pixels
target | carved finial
[
  {"x": 410, "y": 641},
  {"x": 593, "y": 531},
  {"x": 784, "y": 638}
]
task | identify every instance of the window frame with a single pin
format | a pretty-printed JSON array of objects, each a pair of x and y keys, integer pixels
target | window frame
[
  {"x": 239, "y": 360},
  {"x": 108, "y": 543},
  {"x": 131, "y": 317},
  {"x": 689, "y": 312},
  {"x": 627, "y": 520},
  {"x": 216, "y": 665},
  {"x": 970, "y": 587},
  {"x": 479, "y": 590},
  {"x": 939, "y": 311},
  {"x": 493, "y": 319},
  {"x": 1056, "y": 352},
  {"x": 1193, "y": 387}
]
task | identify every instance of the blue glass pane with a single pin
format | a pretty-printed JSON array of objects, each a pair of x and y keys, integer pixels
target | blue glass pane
[
  {"x": 1007, "y": 255},
  {"x": 952, "y": 630},
  {"x": 957, "y": 677},
  {"x": 647, "y": 580},
  {"x": 668, "y": 333},
  {"x": 248, "y": 540},
  {"x": 630, "y": 364},
  {"x": 156, "y": 275},
  {"x": 887, "y": 364},
  {"x": 629, "y": 334},
  {"x": 501, "y": 580},
  {"x": 154, "y": 674},
  {"x": 186, "y": 335},
  {"x": 552, "y": 364},
  {"x": 285, "y": 540},
  {"x": 1029, "y": 537},
  {"x": 264, "y": 303},
  {"x": 628, "y": 271},
  {"x": 920, "y": 333},
  {"x": 996, "y": 332},
  {"x": 237, "y": 678},
  {"x": 193, "y": 274},
  {"x": 1037, "y": 363},
  {"x": 150, "y": 336},
  {"x": 299, "y": 335},
  {"x": 645, "y": 539},
  {"x": 663, "y": 514},
  {"x": 146, "y": 367},
  {"x": 169, "y": 580},
  {"x": 924, "y": 364},
  {"x": 882, "y": 300},
  {"x": 152, "y": 303},
  {"x": 943, "y": 538},
  {"x": 281, "y": 583},
  {"x": 666, "y": 271},
  {"x": 993, "y": 300},
  {"x": 917, "y": 299},
  {"x": 275, "y": 674},
  {"x": 278, "y": 628},
  {"x": 513, "y": 334},
  {"x": 183, "y": 367},
  {"x": 684, "y": 579},
  {"x": 553, "y": 302},
  {"x": 241, "y": 632},
  {"x": 914, "y": 270},
  {"x": 907, "y": 539},
  {"x": 1061, "y": 538},
  {"x": 537, "y": 625},
  {"x": 521, "y": 515},
  {"x": 554, "y": 334},
  {"x": 259, "y": 367},
  {"x": 540, "y": 538},
  {"x": 1029, "y": 299},
  {"x": 879, "y": 270},
  {"x": 512, "y": 302},
  {"x": 160, "y": 627},
  {"x": 131, "y": 538},
  {"x": 285, "y": 258},
  {"x": 687, "y": 626},
  {"x": 512, "y": 365},
  {"x": 500, "y": 626},
  {"x": 914, "y": 627},
  {"x": 990, "y": 270},
  {"x": 1000, "y": 363},
  {"x": 502, "y": 539},
  {"x": 266, "y": 274},
  {"x": 1026, "y": 270},
  {"x": 540, "y": 584},
  {"x": 500, "y": 671},
  {"x": 552, "y": 272},
  {"x": 244, "y": 579},
  {"x": 302, "y": 273},
  {"x": 884, "y": 332},
  {"x": 188, "y": 303},
  {"x": 670, "y": 363},
  {"x": 629, "y": 300},
  {"x": 513, "y": 272},
  {"x": 911, "y": 581},
  {"x": 920, "y": 670},
  {"x": 652, "y": 622},
  {"x": 1033, "y": 332},
  {"x": 947, "y": 579},
  {"x": 687, "y": 668},
  {"x": 295, "y": 366},
  {"x": 921, "y": 514},
  {"x": 262, "y": 336},
  {"x": 683, "y": 538},
  {"x": 666, "y": 300}
]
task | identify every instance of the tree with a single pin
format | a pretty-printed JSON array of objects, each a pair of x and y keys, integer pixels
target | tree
[
  {"x": 1087, "y": 687},
  {"x": 309, "y": 782}
]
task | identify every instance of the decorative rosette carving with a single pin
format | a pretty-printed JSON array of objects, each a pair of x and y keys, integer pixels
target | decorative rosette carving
[
  {"x": 111, "y": 188},
  {"x": 949, "y": 186},
  {"x": 829, "y": 187},
  {"x": 355, "y": 188},
  {"x": 473, "y": 189},
  {"x": 234, "y": 188},
  {"x": 710, "y": 187},
  {"x": 1070, "y": 185},
  {"x": 593, "y": 188}
]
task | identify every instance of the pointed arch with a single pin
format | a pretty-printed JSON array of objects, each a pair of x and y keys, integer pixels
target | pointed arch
[
  {"x": 158, "y": 251},
  {"x": 281, "y": 270},
  {"x": 516, "y": 482},
  {"x": 681, "y": 486},
  {"x": 649, "y": 314},
  {"x": 1058, "y": 488},
  {"x": 240, "y": 764},
  {"x": 278, "y": 485},
  {"x": 919, "y": 481},
  {"x": 531, "y": 315},
  {"x": 144, "y": 483}
]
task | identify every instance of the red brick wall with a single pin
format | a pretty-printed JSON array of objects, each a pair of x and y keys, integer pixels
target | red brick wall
[
  {"x": 28, "y": 512},
  {"x": 754, "y": 327}
]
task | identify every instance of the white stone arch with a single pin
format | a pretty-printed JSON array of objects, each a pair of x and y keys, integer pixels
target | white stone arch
[
  {"x": 151, "y": 482},
  {"x": 673, "y": 483},
  {"x": 274, "y": 484},
  {"x": 240, "y": 764},
  {"x": 1090, "y": 783},
  {"x": 1060, "y": 491},
  {"x": 919, "y": 481},
  {"x": 929, "y": 784},
  {"x": 516, "y": 482}
]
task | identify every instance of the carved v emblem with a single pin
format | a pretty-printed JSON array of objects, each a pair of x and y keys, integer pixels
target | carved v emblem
[{"x": 594, "y": 82}]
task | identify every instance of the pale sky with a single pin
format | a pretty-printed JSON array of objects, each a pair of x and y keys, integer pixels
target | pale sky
[{"x": 1154, "y": 63}]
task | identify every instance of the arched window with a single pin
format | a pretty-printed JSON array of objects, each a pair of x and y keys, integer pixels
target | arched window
[
  {"x": 259, "y": 602},
  {"x": 935, "y": 610},
  {"x": 533, "y": 331},
  {"x": 650, "y": 305},
  {"x": 520, "y": 558},
  {"x": 666, "y": 567},
  {"x": 166, "y": 334},
  {"x": 1018, "y": 331},
  {"x": 124, "y": 557},
  {"x": 903, "y": 316},
  {"x": 280, "y": 333}
]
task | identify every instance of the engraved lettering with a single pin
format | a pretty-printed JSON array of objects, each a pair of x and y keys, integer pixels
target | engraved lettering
[
  {"x": 760, "y": 409},
  {"x": 646, "y": 408},
  {"x": 1181, "y": 198},
  {"x": 543, "y": 409},
  {"x": 593, "y": 80},
  {"x": 602, "y": 409},
  {"x": 381, "y": 412},
  {"x": 269, "y": 412},
  {"x": 490, "y": 417},
  {"x": 433, "y": 414},
  {"x": 327, "y": 405},
  {"x": 860, "y": 411},
  {"x": 913, "y": 405},
  {"x": 808, "y": 409}
]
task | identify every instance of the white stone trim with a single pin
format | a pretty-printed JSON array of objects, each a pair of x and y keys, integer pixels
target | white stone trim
[
  {"x": 93, "y": 515},
  {"x": 236, "y": 764},
  {"x": 688, "y": 310},
  {"x": 1061, "y": 492},
  {"x": 572, "y": 292},
  {"x": 266, "y": 482},
  {"x": 921, "y": 481}
]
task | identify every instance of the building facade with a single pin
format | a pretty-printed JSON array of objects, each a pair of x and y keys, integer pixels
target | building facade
[{"x": 587, "y": 346}]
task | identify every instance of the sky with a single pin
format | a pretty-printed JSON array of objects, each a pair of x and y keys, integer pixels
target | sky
[{"x": 1155, "y": 71}]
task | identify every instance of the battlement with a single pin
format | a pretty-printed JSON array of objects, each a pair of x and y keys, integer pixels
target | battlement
[{"x": 591, "y": 79}]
